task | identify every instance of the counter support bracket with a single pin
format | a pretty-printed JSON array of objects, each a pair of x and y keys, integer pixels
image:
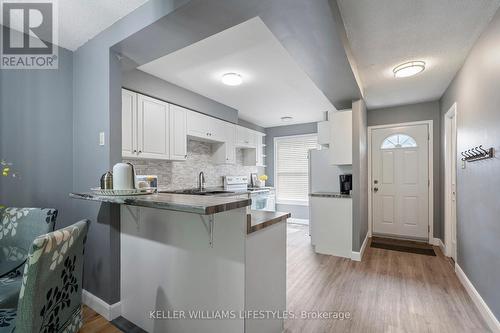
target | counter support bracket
[{"x": 210, "y": 225}]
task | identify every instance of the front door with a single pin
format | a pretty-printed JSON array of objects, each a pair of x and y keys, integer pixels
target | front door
[{"x": 400, "y": 181}]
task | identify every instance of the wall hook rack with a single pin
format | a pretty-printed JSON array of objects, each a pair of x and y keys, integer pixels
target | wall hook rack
[{"x": 477, "y": 153}]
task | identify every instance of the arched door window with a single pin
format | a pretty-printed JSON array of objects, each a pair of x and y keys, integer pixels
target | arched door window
[{"x": 398, "y": 141}]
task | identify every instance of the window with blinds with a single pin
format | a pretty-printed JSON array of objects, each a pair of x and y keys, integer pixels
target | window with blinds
[{"x": 292, "y": 168}]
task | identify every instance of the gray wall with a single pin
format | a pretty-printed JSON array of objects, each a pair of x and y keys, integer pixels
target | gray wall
[
  {"x": 418, "y": 112},
  {"x": 475, "y": 90},
  {"x": 278, "y": 131},
  {"x": 147, "y": 84},
  {"x": 359, "y": 174},
  {"x": 36, "y": 129},
  {"x": 96, "y": 107}
]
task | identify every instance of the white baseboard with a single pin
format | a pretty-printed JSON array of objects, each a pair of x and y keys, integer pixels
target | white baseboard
[
  {"x": 357, "y": 256},
  {"x": 439, "y": 242},
  {"x": 481, "y": 305},
  {"x": 109, "y": 312}
]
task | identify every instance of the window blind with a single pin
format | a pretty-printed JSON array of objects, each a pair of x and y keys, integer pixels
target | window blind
[{"x": 292, "y": 167}]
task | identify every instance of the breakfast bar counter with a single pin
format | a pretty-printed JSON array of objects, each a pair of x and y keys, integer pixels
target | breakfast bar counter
[
  {"x": 204, "y": 205},
  {"x": 199, "y": 253}
]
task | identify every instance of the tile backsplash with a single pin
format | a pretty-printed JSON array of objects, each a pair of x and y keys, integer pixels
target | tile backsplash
[{"x": 174, "y": 175}]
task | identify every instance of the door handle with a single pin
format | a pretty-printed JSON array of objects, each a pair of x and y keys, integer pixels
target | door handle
[{"x": 375, "y": 189}]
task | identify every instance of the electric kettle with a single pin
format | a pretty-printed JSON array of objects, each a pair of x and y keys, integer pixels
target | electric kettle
[{"x": 123, "y": 176}]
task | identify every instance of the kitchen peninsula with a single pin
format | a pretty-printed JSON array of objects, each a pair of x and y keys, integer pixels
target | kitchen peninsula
[{"x": 200, "y": 255}]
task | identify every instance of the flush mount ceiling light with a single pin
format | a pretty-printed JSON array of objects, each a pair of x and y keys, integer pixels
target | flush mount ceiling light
[
  {"x": 409, "y": 69},
  {"x": 286, "y": 119},
  {"x": 232, "y": 79}
]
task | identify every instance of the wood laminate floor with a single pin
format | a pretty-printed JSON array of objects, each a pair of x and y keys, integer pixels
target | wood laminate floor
[{"x": 388, "y": 292}]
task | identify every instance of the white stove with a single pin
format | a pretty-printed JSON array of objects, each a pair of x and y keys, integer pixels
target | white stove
[
  {"x": 236, "y": 183},
  {"x": 262, "y": 198}
]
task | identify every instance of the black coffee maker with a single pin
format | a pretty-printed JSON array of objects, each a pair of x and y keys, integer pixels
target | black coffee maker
[{"x": 345, "y": 184}]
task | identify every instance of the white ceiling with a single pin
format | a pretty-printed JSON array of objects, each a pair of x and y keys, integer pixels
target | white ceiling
[
  {"x": 385, "y": 33},
  {"x": 273, "y": 85},
  {"x": 81, "y": 20}
]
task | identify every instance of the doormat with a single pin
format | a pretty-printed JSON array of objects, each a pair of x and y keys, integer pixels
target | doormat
[{"x": 402, "y": 246}]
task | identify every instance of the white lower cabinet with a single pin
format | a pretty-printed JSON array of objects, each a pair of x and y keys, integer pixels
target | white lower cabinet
[{"x": 331, "y": 225}]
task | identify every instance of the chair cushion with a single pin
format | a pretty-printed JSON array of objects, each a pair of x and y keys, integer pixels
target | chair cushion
[
  {"x": 7, "y": 320},
  {"x": 10, "y": 286}
]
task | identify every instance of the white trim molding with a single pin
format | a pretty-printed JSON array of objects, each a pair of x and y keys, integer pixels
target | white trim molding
[
  {"x": 439, "y": 242},
  {"x": 481, "y": 305},
  {"x": 109, "y": 312},
  {"x": 358, "y": 256}
]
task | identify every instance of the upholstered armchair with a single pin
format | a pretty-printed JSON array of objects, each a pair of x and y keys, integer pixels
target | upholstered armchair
[
  {"x": 51, "y": 290},
  {"x": 18, "y": 228}
]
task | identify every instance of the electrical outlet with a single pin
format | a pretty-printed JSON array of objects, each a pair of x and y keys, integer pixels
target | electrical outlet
[
  {"x": 101, "y": 139},
  {"x": 463, "y": 164}
]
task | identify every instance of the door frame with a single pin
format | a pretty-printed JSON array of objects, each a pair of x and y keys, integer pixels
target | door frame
[
  {"x": 451, "y": 113},
  {"x": 430, "y": 159}
]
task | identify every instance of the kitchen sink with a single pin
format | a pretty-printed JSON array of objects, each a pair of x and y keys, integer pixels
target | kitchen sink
[{"x": 197, "y": 192}]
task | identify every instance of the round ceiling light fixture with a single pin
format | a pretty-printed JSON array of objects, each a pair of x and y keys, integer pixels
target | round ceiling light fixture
[
  {"x": 232, "y": 79},
  {"x": 286, "y": 119},
  {"x": 409, "y": 68}
]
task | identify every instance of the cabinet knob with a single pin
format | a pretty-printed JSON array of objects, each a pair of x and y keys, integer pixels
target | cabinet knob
[
  {"x": 185, "y": 156},
  {"x": 140, "y": 151},
  {"x": 135, "y": 150}
]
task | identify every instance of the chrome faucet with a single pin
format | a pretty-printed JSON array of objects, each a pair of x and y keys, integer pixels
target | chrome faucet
[{"x": 201, "y": 181}]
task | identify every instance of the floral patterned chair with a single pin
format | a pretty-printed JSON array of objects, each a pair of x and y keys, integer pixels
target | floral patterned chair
[
  {"x": 51, "y": 292},
  {"x": 18, "y": 228}
]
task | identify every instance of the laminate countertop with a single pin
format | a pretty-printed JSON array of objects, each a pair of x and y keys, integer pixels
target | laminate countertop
[
  {"x": 259, "y": 219},
  {"x": 330, "y": 195},
  {"x": 198, "y": 204}
]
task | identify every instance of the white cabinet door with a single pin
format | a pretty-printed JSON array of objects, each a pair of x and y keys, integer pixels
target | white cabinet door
[
  {"x": 341, "y": 138},
  {"x": 225, "y": 153},
  {"x": 331, "y": 225},
  {"x": 178, "y": 133},
  {"x": 324, "y": 132},
  {"x": 245, "y": 138},
  {"x": 153, "y": 125},
  {"x": 204, "y": 127},
  {"x": 129, "y": 123}
]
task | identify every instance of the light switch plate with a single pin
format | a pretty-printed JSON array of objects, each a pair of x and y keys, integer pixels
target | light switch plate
[{"x": 101, "y": 139}]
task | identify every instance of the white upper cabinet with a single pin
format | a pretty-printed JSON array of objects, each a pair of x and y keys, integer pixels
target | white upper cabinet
[
  {"x": 153, "y": 128},
  {"x": 204, "y": 127},
  {"x": 341, "y": 137},
  {"x": 254, "y": 155},
  {"x": 324, "y": 130},
  {"x": 245, "y": 138},
  {"x": 129, "y": 124},
  {"x": 178, "y": 132},
  {"x": 225, "y": 153}
]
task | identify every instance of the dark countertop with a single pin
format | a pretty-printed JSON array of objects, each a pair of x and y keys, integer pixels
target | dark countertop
[
  {"x": 250, "y": 190},
  {"x": 330, "y": 195},
  {"x": 259, "y": 219},
  {"x": 198, "y": 204}
]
